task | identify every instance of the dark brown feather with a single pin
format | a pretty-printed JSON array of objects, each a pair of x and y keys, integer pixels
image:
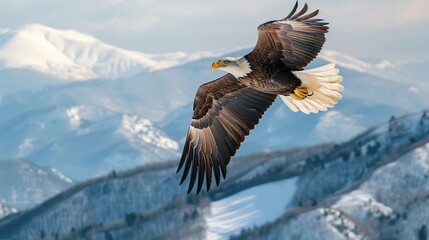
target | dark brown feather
[
  {"x": 224, "y": 113},
  {"x": 303, "y": 10},
  {"x": 293, "y": 41},
  {"x": 293, "y": 11}
]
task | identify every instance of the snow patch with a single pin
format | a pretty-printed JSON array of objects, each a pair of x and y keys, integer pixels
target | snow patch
[
  {"x": 26, "y": 147},
  {"x": 342, "y": 224},
  {"x": 86, "y": 113},
  {"x": 4, "y": 210},
  {"x": 73, "y": 114},
  {"x": 251, "y": 207},
  {"x": 60, "y": 175},
  {"x": 359, "y": 204},
  {"x": 137, "y": 129}
]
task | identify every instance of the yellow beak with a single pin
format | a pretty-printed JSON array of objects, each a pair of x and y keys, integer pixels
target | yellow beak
[{"x": 216, "y": 65}]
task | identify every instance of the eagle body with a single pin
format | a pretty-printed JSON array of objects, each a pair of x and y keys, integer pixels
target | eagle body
[
  {"x": 227, "y": 109},
  {"x": 272, "y": 78}
]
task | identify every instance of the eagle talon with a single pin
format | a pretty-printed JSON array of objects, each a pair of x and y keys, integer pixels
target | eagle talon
[
  {"x": 300, "y": 93},
  {"x": 296, "y": 97}
]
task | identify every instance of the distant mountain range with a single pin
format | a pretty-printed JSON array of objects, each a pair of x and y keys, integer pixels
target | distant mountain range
[
  {"x": 68, "y": 54},
  {"x": 24, "y": 184},
  {"x": 373, "y": 186}
]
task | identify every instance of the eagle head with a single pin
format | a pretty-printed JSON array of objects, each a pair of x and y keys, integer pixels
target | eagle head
[{"x": 239, "y": 67}]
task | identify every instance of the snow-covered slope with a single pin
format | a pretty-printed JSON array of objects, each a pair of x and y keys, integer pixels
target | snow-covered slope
[
  {"x": 379, "y": 190},
  {"x": 69, "y": 54},
  {"x": 151, "y": 192},
  {"x": 84, "y": 141},
  {"x": 24, "y": 184},
  {"x": 385, "y": 202},
  {"x": 365, "y": 188},
  {"x": 254, "y": 206}
]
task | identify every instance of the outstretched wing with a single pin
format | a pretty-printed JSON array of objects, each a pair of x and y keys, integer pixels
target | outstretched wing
[
  {"x": 224, "y": 113},
  {"x": 293, "y": 41}
]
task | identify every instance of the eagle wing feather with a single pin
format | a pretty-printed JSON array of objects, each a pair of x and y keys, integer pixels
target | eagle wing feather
[
  {"x": 224, "y": 113},
  {"x": 293, "y": 41}
]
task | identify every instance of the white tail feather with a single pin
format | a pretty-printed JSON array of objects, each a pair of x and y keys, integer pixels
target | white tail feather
[{"x": 323, "y": 84}]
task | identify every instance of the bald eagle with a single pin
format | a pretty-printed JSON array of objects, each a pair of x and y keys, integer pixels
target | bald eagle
[{"x": 226, "y": 109}]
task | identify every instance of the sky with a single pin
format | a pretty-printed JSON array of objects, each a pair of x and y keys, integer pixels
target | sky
[{"x": 395, "y": 30}]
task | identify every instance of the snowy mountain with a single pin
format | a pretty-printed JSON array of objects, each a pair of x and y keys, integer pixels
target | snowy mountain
[
  {"x": 146, "y": 195},
  {"x": 380, "y": 194},
  {"x": 84, "y": 141},
  {"x": 24, "y": 184},
  {"x": 68, "y": 54},
  {"x": 150, "y": 94},
  {"x": 373, "y": 186}
]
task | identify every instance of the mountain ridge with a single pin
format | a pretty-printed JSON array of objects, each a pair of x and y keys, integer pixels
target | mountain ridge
[
  {"x": 63, "y": 137},
  {"x": 370, "y": 151},
  {"x": 71, "y": 55}
]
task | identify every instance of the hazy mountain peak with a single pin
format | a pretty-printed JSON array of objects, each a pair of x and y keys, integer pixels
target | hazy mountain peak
[
  {"x": 67, "y": 33},
  {"x": 70, "y": 54}
]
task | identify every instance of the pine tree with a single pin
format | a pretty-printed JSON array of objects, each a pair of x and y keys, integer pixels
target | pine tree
[
  {"x": 423, "y": 233},
  {"x": 108, "y": 236},
  {"x": 392, "y": 123},
  {"x": 130, "y": 219}
]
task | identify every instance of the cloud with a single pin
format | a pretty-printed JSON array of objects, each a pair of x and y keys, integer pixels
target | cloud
[
  {"x": 113, "y": 2},
  {"x": 402, "y": 14},
  {"x": 215, "y": 8},
  {"x": 415, "y": 11},
  {"x": 381, "y": 14},
  {"x": 132, "y": 24}
]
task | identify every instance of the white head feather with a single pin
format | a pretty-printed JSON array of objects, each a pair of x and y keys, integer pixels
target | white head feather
[{"x": 239, "y": 67}]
